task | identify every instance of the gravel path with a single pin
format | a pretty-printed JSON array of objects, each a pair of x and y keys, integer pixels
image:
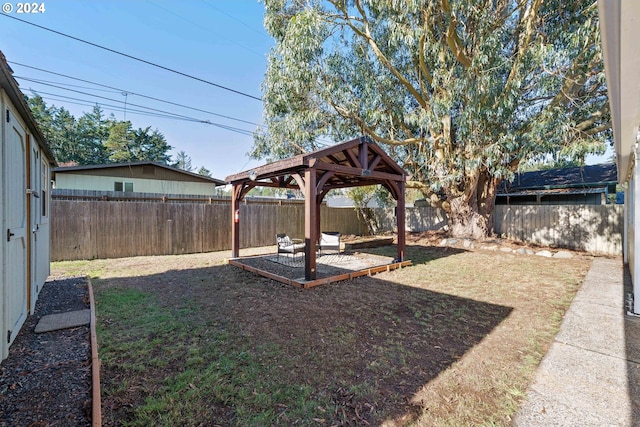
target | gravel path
[{"x": 46, "y": 380}]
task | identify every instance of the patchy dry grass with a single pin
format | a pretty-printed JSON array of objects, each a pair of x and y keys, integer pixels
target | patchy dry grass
[{"x": 453, "y": 340}]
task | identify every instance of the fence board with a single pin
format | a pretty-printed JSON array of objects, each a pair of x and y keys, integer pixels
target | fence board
[
  {"x": 93, "y": 228},
  {"x": 591, "y": 228},
  {"x": 88, "y": 229}
]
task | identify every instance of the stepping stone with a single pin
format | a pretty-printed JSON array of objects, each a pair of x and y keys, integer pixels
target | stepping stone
[{"x": 71, "y": 319}]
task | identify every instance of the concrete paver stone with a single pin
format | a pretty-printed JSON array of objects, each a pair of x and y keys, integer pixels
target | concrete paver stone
[{"x": 71, "y": 319}]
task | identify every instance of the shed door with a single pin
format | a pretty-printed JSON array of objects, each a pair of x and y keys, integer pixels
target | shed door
[
  {"x": 40, "y": 227},
  {"x": 15, "y": 232}
]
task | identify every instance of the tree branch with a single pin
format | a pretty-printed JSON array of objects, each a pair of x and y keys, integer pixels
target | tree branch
[
  {"x": 593, "y": 118},
  {"x": 453, "y": 40},
  {"x": 524, "y": 39},
  {"x": 366, "y": 34}
]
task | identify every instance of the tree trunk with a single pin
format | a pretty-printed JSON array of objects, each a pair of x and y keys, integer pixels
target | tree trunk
[{"x": 471, "y": 215}]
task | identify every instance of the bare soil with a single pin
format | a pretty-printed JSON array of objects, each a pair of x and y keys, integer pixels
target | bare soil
[{"x": 453, "y": 340}]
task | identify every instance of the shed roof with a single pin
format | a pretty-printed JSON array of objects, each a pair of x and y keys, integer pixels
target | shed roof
[
  {"x": 575, "y": 177},
  {"x": 11, "y": 87},
  {"x": 189, "y": 176}
]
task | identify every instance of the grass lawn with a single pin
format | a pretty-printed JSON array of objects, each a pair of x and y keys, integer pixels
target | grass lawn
[{"x": 453, "y": 340}]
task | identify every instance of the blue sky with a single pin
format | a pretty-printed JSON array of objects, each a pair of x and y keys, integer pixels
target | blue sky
[{"x": 221, "y": 41}]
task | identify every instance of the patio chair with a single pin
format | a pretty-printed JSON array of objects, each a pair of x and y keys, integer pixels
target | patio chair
[
  {"x": 287, "y": 245},
  {"x": 329, "y": 240}
]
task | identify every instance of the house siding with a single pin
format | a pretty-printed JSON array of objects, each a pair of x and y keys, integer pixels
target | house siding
[{"x": 76, "y": 181}]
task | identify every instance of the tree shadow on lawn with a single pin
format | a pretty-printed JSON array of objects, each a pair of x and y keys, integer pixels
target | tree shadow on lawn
[
  {"x": 418, "y": 254},
  {"x": 348, "y": 353}
]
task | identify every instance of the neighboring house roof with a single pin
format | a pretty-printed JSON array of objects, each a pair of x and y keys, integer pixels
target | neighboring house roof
[
  {"x": 11, "y": 87},
  {"x": 138, "y": 170},
  {"x": 579, "y": 178}
]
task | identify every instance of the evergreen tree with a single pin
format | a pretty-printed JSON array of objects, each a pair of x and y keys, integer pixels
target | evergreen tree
[
  {"x": 93, "y": 133},
  {"x": 119, "y": 144},
  {"x": 152, "y": 147},
  {"x": 183, "y": 161},
  {"x": 94, "y": 139},
  {"x": 204, "y": 171}
]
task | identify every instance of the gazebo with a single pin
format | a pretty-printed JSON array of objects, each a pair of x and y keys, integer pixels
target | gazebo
[{"x": 354, "y": 163}]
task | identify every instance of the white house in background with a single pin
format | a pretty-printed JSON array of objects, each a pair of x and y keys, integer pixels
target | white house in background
[
  {"x": 26, "y": 163},
  {"x": 137, "y": 177},
  {"x": 620, "y": 33},
  {"x": 347, "y": 202}
]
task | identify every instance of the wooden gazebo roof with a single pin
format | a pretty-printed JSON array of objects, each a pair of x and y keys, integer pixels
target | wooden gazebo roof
[{"x": 354, "y": 163}]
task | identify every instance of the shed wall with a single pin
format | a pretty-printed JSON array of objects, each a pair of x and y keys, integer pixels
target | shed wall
[{"x": 24, "y": 251}]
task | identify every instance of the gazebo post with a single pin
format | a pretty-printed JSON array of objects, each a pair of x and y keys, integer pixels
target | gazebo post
[
  {"x": 318, "y": 216},
  {"x": 235, "y": 220},
  {"x": 401, "y": 221},
  {"x": 310, "y": 223}
]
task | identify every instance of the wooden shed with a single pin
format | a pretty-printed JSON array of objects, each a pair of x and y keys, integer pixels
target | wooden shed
[{"x": 25, "y": 179}]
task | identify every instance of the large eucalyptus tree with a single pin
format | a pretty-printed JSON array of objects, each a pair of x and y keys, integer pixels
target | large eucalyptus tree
[{"x": 459, "y": 92}]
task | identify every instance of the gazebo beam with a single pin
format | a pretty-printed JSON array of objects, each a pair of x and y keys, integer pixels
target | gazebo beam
[{"x": 348, "y": 170}]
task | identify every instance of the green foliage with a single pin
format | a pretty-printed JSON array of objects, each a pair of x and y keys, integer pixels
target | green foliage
[
  {"x": 204, "y": 171},
  {"x": 547, "y": 164},
  {"x": 183, "y": 161},
  {"x": 93, "y": 139},
  {"x": 459, "y": 92},
  {"x": 361, "y": 197}
]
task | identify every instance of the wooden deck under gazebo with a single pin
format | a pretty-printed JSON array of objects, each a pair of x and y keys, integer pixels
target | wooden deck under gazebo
[{"x": 354, "y": 163}]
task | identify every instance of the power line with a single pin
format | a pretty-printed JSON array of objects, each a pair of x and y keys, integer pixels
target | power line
[
  {"x": 262, "y": 33},
  {"x": 164, "y": 114},
  {"x": 115, "y": 89},
  {"x": 167, "y": 115},
  {"x": 230, "y": 40},
  {"x": 134, "y": 58},
  {"x": 115, "y": 100}
]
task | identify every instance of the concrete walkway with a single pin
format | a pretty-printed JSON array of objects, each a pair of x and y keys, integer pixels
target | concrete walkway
[{"x": 591, "y": 374}]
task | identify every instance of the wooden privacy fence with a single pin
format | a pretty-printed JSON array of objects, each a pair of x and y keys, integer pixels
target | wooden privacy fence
[
  {"x": 592, "y": 228},
  {"x": 90, "y": 227},
  {"x": 114, "y": 229}
]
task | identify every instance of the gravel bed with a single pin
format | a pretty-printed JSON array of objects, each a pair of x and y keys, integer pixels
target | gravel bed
[{"x": 46, "y": 380}]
